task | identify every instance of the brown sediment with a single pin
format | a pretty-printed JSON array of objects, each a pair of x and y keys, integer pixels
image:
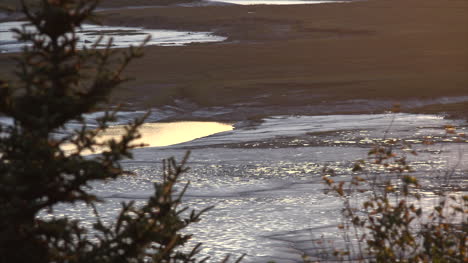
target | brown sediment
[
  {"x": 451, "y": 110},
  {"x": 302, "y": 54},
  {"x": 124, "y": 3},
  {"x": 16, "y": 4}
]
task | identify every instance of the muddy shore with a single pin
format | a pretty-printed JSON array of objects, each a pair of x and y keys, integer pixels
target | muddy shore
[
  {"x": 264, "y": 176},
  {"x": 302, "y": 55}
]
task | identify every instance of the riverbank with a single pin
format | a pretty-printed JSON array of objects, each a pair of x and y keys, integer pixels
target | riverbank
[{"x": 302, "y": 55}]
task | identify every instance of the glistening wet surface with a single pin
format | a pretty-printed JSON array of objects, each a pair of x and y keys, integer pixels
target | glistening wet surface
[
  {"x": 265, "y": 180},
  {"x": 161, "y": 134},
  {"x": 122, "y": 36}
]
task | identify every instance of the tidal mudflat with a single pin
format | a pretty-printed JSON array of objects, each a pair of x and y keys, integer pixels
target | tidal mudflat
[
  {"x": 299, "y": 55},
  {"x": 292, "y": 79}
]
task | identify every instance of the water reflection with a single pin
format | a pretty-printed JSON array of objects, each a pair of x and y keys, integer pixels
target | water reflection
[
  {"x": 162, "y": 134},
  {"x": 122, "y": 36},
  {"x": 165, "y": 134}
]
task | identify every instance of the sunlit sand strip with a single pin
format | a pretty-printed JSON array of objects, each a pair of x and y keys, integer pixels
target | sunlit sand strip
[{"x": 161, "y": 134}]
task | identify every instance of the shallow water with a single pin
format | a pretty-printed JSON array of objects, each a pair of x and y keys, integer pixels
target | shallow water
[
  {"x": 122, "y": 36},
  {"x": 265, "y": 179},
  {"x": 165, "y": 134},
  {"x": 160, "y": 134}
]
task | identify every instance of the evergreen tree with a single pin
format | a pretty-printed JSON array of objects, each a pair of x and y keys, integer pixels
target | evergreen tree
[{"x": 54, "y": 84}]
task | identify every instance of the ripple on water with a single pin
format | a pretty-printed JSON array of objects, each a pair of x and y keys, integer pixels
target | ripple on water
[{"x": 269, "y": 201}]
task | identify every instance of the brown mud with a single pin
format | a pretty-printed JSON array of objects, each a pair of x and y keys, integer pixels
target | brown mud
[{"x": 297, "y": 55}]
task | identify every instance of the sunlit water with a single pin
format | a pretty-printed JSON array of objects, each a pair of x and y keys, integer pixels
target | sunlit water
[
  {"x": 122, "y": 36},
  {"x": 265, "y": 180},
  {"x": 171, "y": 133},
  {"x": 161, "y": 134}
]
